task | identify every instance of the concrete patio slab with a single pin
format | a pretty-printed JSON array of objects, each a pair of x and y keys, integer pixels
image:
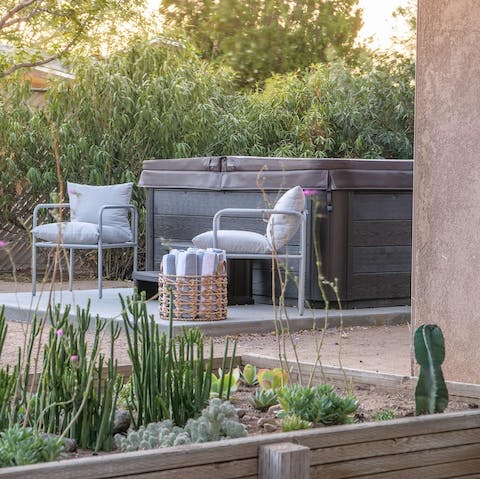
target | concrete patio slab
[{"x": 21, "y": 306}]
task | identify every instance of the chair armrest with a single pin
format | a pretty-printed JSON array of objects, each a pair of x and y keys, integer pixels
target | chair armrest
[
  {"x": 250, "y": 212},
  {"x": 133, "y": 224},
  {"x": 47, "y": 206}
]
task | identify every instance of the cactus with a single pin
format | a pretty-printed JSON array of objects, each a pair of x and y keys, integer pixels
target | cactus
[
  {"x": 262, "y": 399},
  {"x": 431, "y": 395},
  {"x": 154, "y": 435},
  {"x": 218, "y": 421}
]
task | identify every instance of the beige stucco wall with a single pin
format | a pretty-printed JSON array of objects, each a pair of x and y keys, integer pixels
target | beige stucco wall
[{"x": 446, "y": 256}]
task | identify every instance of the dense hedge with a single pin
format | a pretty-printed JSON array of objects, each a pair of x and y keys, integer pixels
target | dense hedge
[{"x": 163, "y": 102}]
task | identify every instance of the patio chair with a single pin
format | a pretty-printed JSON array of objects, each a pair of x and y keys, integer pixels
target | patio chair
[
  {"x": 287, "y": 216},
  {"x": 101, "y": 218}
]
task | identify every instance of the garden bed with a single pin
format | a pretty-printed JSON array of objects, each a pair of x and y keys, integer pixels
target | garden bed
[{"x": 437, "y": 446}]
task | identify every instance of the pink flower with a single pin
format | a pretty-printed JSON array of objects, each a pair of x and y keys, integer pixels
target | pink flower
[
  {"x": 59, "y": 333},
  {"x": 74, "y": 358},
  {"x": 73, "y": 192},
  {"x": 3, "y": 244},
  {"x": 310, "y": 192}
]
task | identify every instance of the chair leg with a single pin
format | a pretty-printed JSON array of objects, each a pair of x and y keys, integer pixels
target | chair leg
[
  {"x": 302, "y": 268},
  {"x": 135, "y": 258},
  {"x": 100, "y": 270},
  {"x": 34, "y": 268},
  {"x": 301, "y": 287},
  {"x": 71, "y": 270}
]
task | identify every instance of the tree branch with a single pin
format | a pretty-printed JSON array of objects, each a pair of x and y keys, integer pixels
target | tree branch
[
  {"x": 38, "y": 63},
  {"x": 11, "y": 13}
]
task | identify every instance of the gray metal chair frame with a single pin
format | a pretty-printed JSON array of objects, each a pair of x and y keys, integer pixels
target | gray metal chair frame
[
  {"x": 99, "y": 246},
  {"x": 300, "y": 256}
]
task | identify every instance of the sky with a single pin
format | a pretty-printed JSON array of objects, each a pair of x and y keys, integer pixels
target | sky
[{"x": 379, "y": 23}]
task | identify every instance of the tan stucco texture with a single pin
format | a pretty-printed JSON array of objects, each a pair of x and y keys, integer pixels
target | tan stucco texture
[{"x": 446, "y": 256}]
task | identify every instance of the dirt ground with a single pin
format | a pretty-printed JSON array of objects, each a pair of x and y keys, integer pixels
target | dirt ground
[{"x": 381, "y": 349}]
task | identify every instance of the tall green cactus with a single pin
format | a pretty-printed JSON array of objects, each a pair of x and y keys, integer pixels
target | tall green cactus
[{"x": 431, "y": 395}]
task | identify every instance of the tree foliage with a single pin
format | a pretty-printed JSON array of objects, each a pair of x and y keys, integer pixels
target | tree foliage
[
  {"x": 39, "y": 31},
  {"x": 259, "y": 37}
]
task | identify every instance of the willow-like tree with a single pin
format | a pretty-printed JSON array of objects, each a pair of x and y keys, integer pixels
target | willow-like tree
[
  {"x": 260, "y": 37},
  {"x": 35, "y": 32}
]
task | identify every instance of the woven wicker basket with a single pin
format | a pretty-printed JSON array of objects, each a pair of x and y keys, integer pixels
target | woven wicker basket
[{"x": 194, "y": 298}]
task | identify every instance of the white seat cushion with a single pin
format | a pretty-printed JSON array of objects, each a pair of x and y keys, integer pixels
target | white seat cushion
[
  {"x": 86, "y": 201},
  {"x": 234, "y": 241},
  {"x": 76, "y": 232},
  {"x": 281, "y": 228}
]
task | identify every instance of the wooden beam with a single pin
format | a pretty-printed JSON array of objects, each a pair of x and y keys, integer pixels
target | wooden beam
[{"x": 284, "y": 461}]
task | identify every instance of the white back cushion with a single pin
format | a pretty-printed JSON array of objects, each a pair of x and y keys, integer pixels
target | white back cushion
[
  {"x": 86, "y": 201},
  {"x": 280, "y": 227}
]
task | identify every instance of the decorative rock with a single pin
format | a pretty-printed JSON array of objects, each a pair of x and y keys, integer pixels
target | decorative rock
[
  {"x": 247, "y": 417},
  {"x": 270, "y": 427},
  {"x": 69, "y": 445},
  {"x": 122, "y": 421},
  {"x": 272, "y": 410},
  {"x": 240, "y": 412},
  {"x": 263, "y": 421}
]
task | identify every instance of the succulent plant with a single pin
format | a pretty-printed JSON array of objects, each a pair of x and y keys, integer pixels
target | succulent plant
[
  {"x": 23, "y": 445},
  {"x": 154, "y": 435},
  {"x": 249, "y": 375},
  {"x": 319, "y": 404},
  {"x": 294, "y": 423},
  {"x": 262, "y": 399},
  {"x": 217, "y": 421},
  {"x": 431, "y": 394},
  {"x": 224, "y": 384},
  {"x": 274, "y": 379}
]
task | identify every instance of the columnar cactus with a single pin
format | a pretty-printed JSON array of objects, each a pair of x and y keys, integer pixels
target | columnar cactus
[{"x": 431, "y": 395}]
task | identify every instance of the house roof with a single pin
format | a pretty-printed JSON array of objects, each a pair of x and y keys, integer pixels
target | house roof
[{"x": 38, "y": 76}]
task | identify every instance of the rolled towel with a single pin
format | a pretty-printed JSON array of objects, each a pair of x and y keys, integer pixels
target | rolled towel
[
  {"x": 168, "y": 264},
  {"x": 210, "y": 260}
]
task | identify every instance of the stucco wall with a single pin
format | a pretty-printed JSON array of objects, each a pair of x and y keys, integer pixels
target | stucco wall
[{"x": 446, "y": 256}]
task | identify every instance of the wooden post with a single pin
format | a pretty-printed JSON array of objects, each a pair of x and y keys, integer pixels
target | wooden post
[{"x": 284, "y": 461}]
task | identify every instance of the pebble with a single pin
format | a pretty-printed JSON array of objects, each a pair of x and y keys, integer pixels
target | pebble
[
  {"x": 69, "y": 445},
  {"x": 270, "y": 427},
  {"x": 122, "y": 421},
  {"x": 263, "y": 421},
  {"x": 272, "y": 410},
  {"x": 240, "y": 412}
]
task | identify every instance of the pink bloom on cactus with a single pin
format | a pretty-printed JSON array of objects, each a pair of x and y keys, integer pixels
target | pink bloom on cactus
[
  {"x": 310, "y": 192},
  {"x": 59, "y": 333},
  {"x": 3, "y": 244},
  {"x": 74, "y": 358}
]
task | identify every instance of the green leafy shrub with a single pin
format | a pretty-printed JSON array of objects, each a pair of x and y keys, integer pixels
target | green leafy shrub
[
  {"x": 319, "y": 404},
  {"x": 158, "y": 102},
  {"x": 217, "y": 421},
  {"x": 20, "y": 446}
]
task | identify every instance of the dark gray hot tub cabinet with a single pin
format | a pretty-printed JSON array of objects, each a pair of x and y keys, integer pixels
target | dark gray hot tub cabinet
[{"x": 363, "y": 226}]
